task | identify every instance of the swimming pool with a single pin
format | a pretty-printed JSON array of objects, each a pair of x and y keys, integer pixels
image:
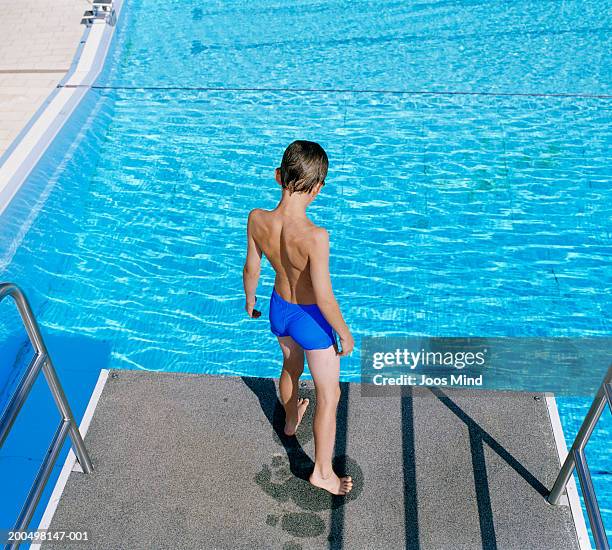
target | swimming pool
[{"x": 468, "y": 191}]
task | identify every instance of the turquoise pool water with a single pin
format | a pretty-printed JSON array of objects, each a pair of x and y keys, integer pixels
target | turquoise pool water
[{"x": 468, "y": 194}]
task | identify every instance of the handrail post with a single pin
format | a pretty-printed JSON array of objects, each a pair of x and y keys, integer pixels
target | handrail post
[
  {"x": 41, "y": 477},
  {"x": 576, "y": 460},
  {"x": 62, "y": 404},
  {"x": 31, "y": 326},
  {"x": 585, "y": 431}
]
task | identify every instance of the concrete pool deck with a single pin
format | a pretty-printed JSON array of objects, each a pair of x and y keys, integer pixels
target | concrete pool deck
[
  {"x": 39, "y": 41},
  {"x": 196, "y": 461}
]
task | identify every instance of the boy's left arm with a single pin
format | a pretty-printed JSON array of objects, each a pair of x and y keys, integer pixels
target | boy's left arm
[{"x": 252, "y": 268}]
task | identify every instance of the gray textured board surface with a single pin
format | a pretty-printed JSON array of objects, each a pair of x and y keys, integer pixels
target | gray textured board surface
[{"x": 196, "y": 461}]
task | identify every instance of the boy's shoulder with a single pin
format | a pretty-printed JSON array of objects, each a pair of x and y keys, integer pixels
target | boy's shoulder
[
  {"x": 318, "y": 237},
  {"x": 256, "y": 215},
  {"x": 318, "y": 233},
  {"x": 256, "y": 212}
]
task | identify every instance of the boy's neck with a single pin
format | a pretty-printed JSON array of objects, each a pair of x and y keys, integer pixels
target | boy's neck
[{"x": 294, "y": 204}]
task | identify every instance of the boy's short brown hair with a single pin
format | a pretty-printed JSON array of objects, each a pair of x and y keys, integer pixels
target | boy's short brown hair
[{"x": 304, "y": 165}]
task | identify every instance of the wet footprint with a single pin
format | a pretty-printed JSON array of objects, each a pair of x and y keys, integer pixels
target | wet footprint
[
  {"x": 298, "y": 524},
  {"x": 303, "y": 524},
  {"x": 281, "y": 470},
  {"x": 279, "y": 481}
]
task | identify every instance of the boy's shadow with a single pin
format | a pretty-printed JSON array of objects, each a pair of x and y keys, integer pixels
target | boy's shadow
[
  {"x": 265, "y": 389},
  {"x": 293, "y": 484}
]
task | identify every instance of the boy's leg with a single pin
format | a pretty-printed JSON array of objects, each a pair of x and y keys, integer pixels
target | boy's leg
[
  {"x": 324, "y": 365},
  {"x": 293, "y": 366}
]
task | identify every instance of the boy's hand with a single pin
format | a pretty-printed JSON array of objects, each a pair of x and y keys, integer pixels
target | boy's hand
[
  {"x": 250, "y": 308},
  {"x": 346, "y": 344}
]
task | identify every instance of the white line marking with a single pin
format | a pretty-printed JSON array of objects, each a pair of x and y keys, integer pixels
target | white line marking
[
  {"x": 572, "y": 491},
  {"x": 71, "y": 463}
]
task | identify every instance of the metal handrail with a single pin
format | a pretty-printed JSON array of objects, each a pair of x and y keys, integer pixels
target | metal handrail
[
  {"x": 67, "y": 425},
  {"x": 577, "y": 459}
]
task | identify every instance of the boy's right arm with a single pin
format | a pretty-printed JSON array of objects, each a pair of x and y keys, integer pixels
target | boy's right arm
[
  {"x": 252, "y": 267},
  {"x": 324, "y": 295}
]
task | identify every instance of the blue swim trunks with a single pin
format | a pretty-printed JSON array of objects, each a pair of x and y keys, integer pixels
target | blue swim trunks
[{"x": 303, "y": 322}]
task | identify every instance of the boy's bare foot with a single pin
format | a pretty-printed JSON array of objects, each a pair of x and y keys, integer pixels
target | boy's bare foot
[
  {"x": 291, "y": 427},
  {"x": 333, "y": 484}
]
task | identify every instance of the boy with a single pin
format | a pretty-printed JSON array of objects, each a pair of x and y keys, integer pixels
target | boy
[{"x": 303, "y": 310}]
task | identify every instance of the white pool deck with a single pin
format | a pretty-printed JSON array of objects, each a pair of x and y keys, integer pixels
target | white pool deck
[
  {"x": 47, "y": 110},
  {"x": 38, "y": 44}
]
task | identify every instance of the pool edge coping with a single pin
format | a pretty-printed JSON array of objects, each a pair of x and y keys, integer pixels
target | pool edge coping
[
  {"x": 33, "y": 140},
  {"x": 71, "y": 464},
  {"x": 571, "y": 497}
]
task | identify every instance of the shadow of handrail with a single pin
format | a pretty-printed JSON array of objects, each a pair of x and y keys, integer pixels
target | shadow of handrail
[
  {"x": 411, "y": 511},
  {"x": 487, "y": 438},
  {"x": 478, "y": 437}
]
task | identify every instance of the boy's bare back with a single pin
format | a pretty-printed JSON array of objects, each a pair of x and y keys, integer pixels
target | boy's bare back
[
  {"x": 299, "y": 253},
  {"x": 287, "y": 242}
]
